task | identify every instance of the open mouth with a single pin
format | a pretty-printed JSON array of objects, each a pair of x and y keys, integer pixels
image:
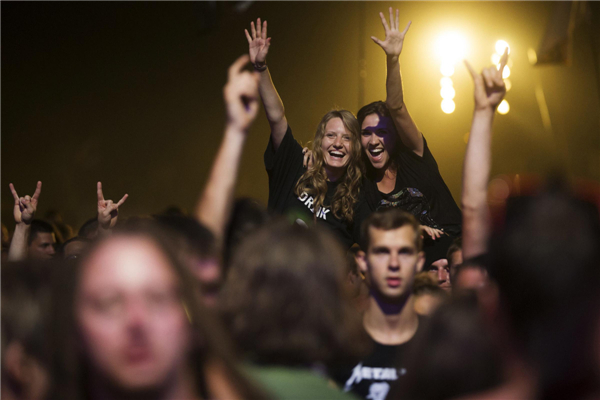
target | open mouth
[
  {"x": 336, "y": 154},
  {"x": 376, "y": 153}
]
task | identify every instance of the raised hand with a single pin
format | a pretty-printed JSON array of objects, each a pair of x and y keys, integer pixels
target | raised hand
[
  {"x": 241, "y": 95},
  {"x": 108, "y": 211},
  {"x": 489, "y": 85},
  {"x": 394, "y": 39},
  {"x": 258, "y": 43},
  {"x": 25, "y": 207}
]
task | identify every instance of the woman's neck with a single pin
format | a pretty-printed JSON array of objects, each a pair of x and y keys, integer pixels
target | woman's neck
[{"x": 333, "y": 174}]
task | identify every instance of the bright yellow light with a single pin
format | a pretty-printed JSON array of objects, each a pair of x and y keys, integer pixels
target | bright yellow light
[
  {"x": 445, "y": 81},
  {"x": 500, "y": 46},
  {"x": 447, "y": 92},
  {"x": 448, "y": 106},
  {"x": 447, "y": 69},
  {"x": 495, "y": 58},
  {"x": 506, "y": 72},
  {"x": 508, "y": 84},
  {"x": 451, "y": 47},
  {"x": 531, "y": 54},
  {"x": 503, "y": 108}
]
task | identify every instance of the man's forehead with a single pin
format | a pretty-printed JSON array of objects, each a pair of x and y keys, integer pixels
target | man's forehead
[
  {"x": 45, "y": 237},
  {"x": 403, "y": 236}
]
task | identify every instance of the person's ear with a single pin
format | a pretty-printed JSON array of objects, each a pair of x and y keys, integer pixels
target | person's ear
[
  {"x": 361, "y": 260},
  {"x": 420, "y": 261}
]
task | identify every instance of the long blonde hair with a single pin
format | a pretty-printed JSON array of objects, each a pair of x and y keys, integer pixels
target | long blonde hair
[{"x": 314, "y": 180}]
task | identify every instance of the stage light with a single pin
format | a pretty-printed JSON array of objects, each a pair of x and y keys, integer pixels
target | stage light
[
  {"x": 447, "y": 92},
  {"x": 447, "y": 69},
  {"x": 508, "y": 84},
  {"x": 448, "y": 106},
  {"x": 445, "y": 81},
  {"x": 501, "y": 45},
  {"x": 503, "y": 108},
  {"x": 451, "y": 47}
]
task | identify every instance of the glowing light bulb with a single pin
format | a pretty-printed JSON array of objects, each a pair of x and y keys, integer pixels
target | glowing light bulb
[
  {"x": 445, "y": 81},
  {"x": 503, "y": 108},
  {"x": 447, "y": 69},
  {"x": 451, "y": 47},
  {"x": 501, "y": 45},
  {"x": 448, "y": 106},
  {"x": 447, "y": 92}
]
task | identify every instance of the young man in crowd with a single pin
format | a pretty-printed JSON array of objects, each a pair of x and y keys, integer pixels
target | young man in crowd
[{"x": 392, "y": 257}]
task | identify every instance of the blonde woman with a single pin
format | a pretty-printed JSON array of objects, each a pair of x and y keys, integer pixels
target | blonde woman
[{"x": 327, "y": 192}]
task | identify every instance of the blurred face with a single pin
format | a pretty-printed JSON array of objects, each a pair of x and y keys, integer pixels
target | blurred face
[
  {"x": 208, "y": 273},
  {"x": 378, "y": 139},
  {"x": 440, "y": 272},
  {"x": 471, "y": 278},
  {"x": 131, "y": 319},
  {"x": 42, "y": 247},
  {"x": 392, "y": 261},
  {"x": 336, "y": 146}
]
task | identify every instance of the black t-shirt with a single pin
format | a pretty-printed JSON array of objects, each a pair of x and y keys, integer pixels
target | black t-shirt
[
  {"x": 285, "y": 167},
  {"x": 419, "y": 178},
  {"x": 382, "y": 370}
]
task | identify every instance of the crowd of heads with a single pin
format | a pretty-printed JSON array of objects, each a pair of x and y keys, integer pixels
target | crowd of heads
[{"x": 164, "y": 307}]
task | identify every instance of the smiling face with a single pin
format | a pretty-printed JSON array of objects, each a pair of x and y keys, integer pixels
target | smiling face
[
  {"x": 130, "y": 315},
  {"x": 378, "y": 139},
  {"x": 336, "y": 145},
  {"x": 391, "y": 261}
]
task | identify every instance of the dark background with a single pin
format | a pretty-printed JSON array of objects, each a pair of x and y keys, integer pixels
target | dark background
[{"x": 131, "y": 93}]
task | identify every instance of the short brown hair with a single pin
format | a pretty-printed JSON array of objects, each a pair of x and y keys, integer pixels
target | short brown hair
[{"x": 389, "y": 219}]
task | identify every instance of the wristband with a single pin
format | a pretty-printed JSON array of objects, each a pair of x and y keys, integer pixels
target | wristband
[{"x": 260, "y": 67}]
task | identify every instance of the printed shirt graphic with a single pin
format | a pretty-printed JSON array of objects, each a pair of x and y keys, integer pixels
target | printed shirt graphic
[
  {"x": 382, "y": 371},
  {"x": 373, "y": 377},
  {"x": 285, "y": 168}
]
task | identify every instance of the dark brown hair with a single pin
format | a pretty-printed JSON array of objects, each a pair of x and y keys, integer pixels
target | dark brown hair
[
  {"x": 285, "y": 300},
  {"x": 387, "y": 220}
]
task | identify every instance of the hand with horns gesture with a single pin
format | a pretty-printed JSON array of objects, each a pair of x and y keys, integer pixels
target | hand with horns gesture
[{"x": 108, "y": 211}]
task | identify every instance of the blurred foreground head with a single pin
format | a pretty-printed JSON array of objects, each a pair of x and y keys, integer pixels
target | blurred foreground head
[
  {"x": 25, "y": 299},
  {"x": 285, "y": 301},
  {"x": 128, "y": 324},
  {"x": 454, "y": 356},
  {"x": 545, "y": 260}
]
